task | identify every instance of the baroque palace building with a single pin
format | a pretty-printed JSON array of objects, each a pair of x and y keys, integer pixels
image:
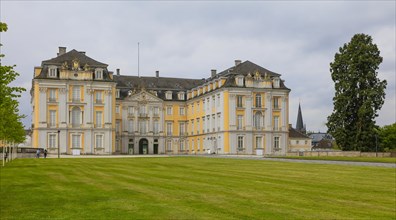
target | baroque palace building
[{"x": 78, "y": 103}]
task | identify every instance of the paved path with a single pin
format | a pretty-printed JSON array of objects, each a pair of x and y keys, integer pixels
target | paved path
[{"x": 244, "y": 157}]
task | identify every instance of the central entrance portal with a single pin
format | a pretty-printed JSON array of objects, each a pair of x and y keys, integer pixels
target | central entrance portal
[{"x": 143, "y": 146}]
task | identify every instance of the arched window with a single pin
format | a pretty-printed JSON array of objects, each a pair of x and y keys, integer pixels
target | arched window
[
  {"x": 257, "y": 120},
  {"x": 76, "y": 117}
]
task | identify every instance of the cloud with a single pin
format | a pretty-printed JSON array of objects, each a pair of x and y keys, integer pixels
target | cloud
[{"x": 187, "y": 39}]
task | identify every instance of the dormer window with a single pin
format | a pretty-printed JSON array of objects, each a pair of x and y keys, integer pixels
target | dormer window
[
  {"x": 239, "y": 80},
  {"x": 117, "y": 93},
  {"x": 276, "y": 82},
  {"x": 98, "y": 73},
  {"x": 52, "y": 71},
  {"x": 181, "y": 95},
  {"x": 168, "y": 95}
]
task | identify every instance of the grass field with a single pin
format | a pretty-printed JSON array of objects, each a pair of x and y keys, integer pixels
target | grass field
[
  {"x": 193, "y": 188},
  {"x": 354, "y": 159}
]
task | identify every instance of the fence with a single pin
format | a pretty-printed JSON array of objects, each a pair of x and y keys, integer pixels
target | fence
[
  {"x": 341, "y": 154},
  {"x": 9, "y": 152}
]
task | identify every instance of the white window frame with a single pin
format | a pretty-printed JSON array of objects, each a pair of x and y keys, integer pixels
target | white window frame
[
  {"x": 239, "y": 102},
  {"x": 240, "y": 142},
  {"x": 52, "y": 95},
  {"x": 52, "y": 143},
  {"x": 117, "y": 93},
  {"x": 99, "y": 145},
  {"x": 258, "y": 101},
  {"x": 76, "y": 93},
  {"x": 276, "y": 123},
  {"x": 182, "y": 129},
  {"x": 276, "y": 142},
  {"x": 169, "y": 110},
  {"x": 156, "y": 127},
  {"x": 168, "y": 95},
  {"x": 78, "y": 139},
  {"x": 182, "y": 111},
  {"x": 169, "y": 128},
  {"x": 98, "y": 73},
  {"x": 259, "y": 142},
  {"x": 52, "y": 118},
  {"x": 131, "y": 127},
  {"x": 99, "y": 97},
  {"x": 169, "y": 145},
  {"x": 52, "y": 71},
  {"x": 239, "y": 122},
  {"x": 181, "y": 95},
  {"x": 98, "y": 119}
]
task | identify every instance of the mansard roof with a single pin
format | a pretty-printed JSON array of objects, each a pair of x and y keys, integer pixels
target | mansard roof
[
  {"x": 65, "y": 61},
  {"x": 70, "y": 56},
  {"x": 158, "y": 84},
  {"x": 247, "y": 67}
]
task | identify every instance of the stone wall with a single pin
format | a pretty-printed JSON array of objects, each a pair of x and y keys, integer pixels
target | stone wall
[{"x": 341, "y": 154}]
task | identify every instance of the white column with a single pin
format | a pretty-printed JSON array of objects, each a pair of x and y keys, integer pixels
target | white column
[
  {"x": 248, "y": 113},
  {"x": 268, "y": 113}
]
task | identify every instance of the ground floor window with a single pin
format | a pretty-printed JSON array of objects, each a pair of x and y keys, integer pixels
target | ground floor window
[
  {"x": 182, "y": 146},
  {"x": 99, "y": 141},
  {"x": 76, "y": 141},
  {"x": 259, "y": 142},
  {"x": 168, "y": 145},
  {"x": 240, "y": 143},
  {"x": 276, "y": 142},
  {"x": 52, "y": 140}
]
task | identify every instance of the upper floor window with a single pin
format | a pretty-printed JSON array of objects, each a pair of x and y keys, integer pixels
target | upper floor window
[
  {"x": 181, "y": 111},
  {"x": 239, "y": 122},
  {"x": 98, "y": 73},
  {"x": 169, "y": 110},
  {"x": 52, "y": 71},
  {"x": 52, "y": 95},
  {"x": 276, "y": 103},
  {"x": 258, "y": 100},
  {"x": 168, "y": 95},
  {"x": 239, "y": 101},
  {"x": 98, "y": 97},
  {"x": 76, "y": 92},
  {"x": 156, "y": 111},
  {"x": 130, "y": 110}
]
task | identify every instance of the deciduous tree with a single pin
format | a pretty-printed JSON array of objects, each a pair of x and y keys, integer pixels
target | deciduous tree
[
  {"x": 11, "y": 128},
  {"x": 359, "y": 94}
]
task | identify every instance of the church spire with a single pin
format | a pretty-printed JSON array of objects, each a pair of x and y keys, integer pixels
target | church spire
[{"x": 300, "y": 123}]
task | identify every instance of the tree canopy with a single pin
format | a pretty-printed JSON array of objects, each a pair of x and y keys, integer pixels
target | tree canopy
[
  {"x": 387, "y": 137},
  {"x": 11, "y": 128},
  {"x": 359, "y": 94}
]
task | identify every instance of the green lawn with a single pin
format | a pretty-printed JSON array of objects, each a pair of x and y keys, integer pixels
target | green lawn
[
  {"x": 354, "y": 159},
  {"x": 193, "y": 188}
]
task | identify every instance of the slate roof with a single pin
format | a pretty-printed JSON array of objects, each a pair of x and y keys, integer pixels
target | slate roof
[
  {"x": 74, "y": 54},
  {"x": 158, "y": 84},
  {"x": 293, "y": 133},
  {"x": 316, "y": 137},
  {"x": 244, "y": 69},
  {"x": 68, "y": 58},
  {"x": 247, "y": 67}
]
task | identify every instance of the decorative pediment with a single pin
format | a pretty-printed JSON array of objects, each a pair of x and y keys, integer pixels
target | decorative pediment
[{"x": 142, "y": 97}]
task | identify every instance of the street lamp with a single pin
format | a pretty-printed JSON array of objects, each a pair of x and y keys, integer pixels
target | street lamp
[{"x": 58, "y": 143}]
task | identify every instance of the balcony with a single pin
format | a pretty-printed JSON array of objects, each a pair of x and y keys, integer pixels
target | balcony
[
  {"x": 99, "y": 101},
  {"x": 52, "y": 125},
  {"x": 52, "y": 99}
]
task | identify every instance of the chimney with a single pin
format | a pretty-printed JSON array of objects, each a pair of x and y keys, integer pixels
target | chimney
[
  {"x": 82, "y": 52},
  {"x": 118, "y": 72},
  {"x": 62, "y": 50},
  {"x": 213, "y": 73},
  {"x": 237, "y": 62},
  {"x": 157, "y": 73}
]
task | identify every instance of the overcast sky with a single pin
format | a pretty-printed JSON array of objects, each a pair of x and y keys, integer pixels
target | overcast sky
[{"x": 188, "y": 39}]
